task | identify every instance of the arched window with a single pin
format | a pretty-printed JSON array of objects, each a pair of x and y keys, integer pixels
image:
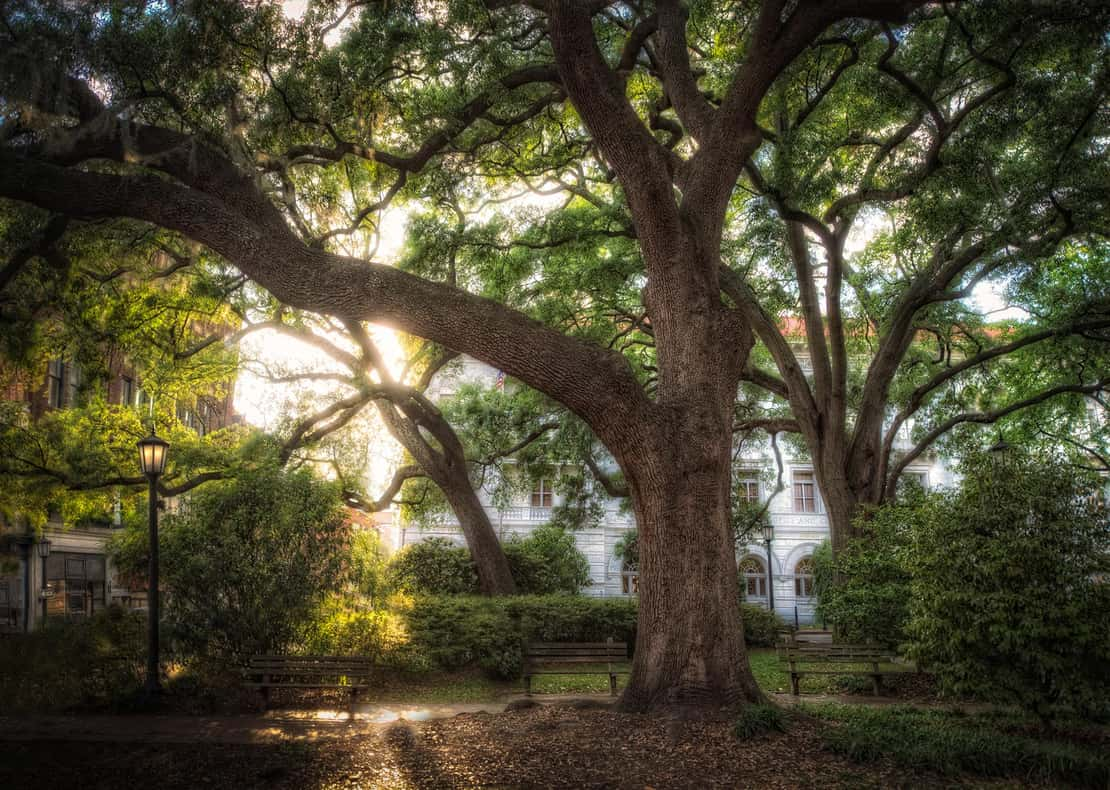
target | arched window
[
  {"x": 754, "y": 573},
  {"x": 630, "y": 579},
  {"x": 803, "y": 578}
]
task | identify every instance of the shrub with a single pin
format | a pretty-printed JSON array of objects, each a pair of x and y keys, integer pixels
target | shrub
[
  {"x": 456, "y": 631},
  {"x": 758, "y": 720},
  {"x": 865, "y": 591},
  {"x": 66, "y": 665},
  {"x": 1009, "y": 595},
  {"x": 547, "y": 561},
  {"x": 368, "y": 566},
  {"x": 761, "y": 627},
  {"x": 247, "y": 562},
  {"x": 435, "y": 566},
  {"x": 338, "y": 629}
]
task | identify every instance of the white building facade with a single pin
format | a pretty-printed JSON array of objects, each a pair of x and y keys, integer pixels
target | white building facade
[{"x": 796, "y": 512}]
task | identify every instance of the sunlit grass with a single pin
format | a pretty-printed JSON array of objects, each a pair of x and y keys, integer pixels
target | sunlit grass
[{"x": 577, "y": 684}]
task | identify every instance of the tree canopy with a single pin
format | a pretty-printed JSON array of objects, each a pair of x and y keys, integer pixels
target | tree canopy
[{"x": 639, "y": 211}]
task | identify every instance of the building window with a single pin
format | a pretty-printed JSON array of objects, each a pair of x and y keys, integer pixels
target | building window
[
  {"x": 126, "y": 391},
  {"x": 805, "y": 493},
  {"x": 75, "y": 568},
  {"x": 803, "y": 578},
  {"x": 630, "y": 579},
  {"x": 754, "y": 573},
  {"x": 79, "y": 583},
  {"x": 55, "y": 384},
  {"x": 541, "y": 493},
  {"x": 73, "y": 383},
  {"x": 910, "y": 479},
  {"x": 747, "y": 488}
]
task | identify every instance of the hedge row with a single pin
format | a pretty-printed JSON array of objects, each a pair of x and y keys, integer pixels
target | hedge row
[{"x": 451, "y": 632}]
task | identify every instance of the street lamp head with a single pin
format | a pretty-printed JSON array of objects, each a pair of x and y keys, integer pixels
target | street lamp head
[
  {"x": 44, "y": 548},
  {"x": 999, "y": 448},
  {"x": 152, "y": 455},
  {"x": 768, "y": 532}
]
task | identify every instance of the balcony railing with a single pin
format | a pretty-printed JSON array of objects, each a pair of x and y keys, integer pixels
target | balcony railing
[
  {"x": 530, "y": 514},
  {"x": 538, "y": 515}
]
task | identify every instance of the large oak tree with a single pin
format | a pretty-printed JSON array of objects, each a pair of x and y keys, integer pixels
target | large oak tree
[{"x": 234, "y": 127}]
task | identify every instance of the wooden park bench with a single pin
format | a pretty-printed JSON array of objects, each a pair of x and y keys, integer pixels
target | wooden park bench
[
  {"x": 308, "y": 672},
  {"x": 550, "y": 658},
  {"x": 798, "y": 654}
]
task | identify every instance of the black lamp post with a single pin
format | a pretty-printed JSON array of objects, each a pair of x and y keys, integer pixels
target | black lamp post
[
  {"x": 999, "y": 449},
  {"x": 768, "y": 536},
  {"x": 44, "y": 552},
  {"x": 152, "y": 460}
]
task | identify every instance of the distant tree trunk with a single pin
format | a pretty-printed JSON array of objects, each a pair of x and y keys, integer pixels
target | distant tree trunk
[
  {"x": 494, "y": 575},
  {"x": 446, "y": 465}
]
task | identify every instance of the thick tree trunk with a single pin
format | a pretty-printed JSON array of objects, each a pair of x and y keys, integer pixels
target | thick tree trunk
[
  {"x": 690, "y": 641},
  {"x": 690, "y": 644},
  {"x": 841, "y": 509}
]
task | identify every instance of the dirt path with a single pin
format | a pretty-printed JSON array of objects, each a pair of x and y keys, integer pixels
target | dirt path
[
  {"x": 544, "y": 747},
  {"x": 298, "y": 725},
  {"x": 271, "y": 727}
]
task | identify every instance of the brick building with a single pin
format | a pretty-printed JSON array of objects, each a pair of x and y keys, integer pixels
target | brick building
[{"x": 63, "y": 571}]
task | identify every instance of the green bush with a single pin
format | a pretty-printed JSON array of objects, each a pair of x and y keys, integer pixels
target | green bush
[
  {"x": 758, "y": 720},
  {"x": 456, "y": 631},
  {"x": 338, "y": 629},
  {"x": 547, "y": 561},
  {"x": 1009, "y": 600},
  {"x": 865, "y": 591},
  {"x": 368, "y": 569},
  {"x": 245, "y": 564},
  {"x": 87, "y": 663},
  {"x": 761, "y": 626},
  {"x": 435, "y": 566}
]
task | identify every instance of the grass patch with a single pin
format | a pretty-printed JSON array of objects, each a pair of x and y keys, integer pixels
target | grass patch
[
  {"x": 435, "y": 688},
  {"x": 773, "y": 675},
  {"x": 951, "y": 742},
  {"x": 758, "y": 720},
  {"x": 575, "y": 683},
  {"x": 474, "y": 685}
]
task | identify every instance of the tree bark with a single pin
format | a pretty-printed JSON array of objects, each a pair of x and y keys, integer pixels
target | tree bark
[
  {"x": 447, "y": 468},
  {"x": 494, "y": 574},
  {"x": 690, "y": 650},
  {"x": 690, "y": 643}
]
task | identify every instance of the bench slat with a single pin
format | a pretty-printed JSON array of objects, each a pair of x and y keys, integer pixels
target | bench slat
[
  {"x": 269, "y": 662},
  {"x": 577, "y": 672},
  {"x": 570, "y": 645},
  {"x": 312, "y": 667},
  {"x": 576, "y": 660},
  {"x": 852, "y": 672},
  {"x": 557, "y": 655},
  {"x": 305, "y": 686}
]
